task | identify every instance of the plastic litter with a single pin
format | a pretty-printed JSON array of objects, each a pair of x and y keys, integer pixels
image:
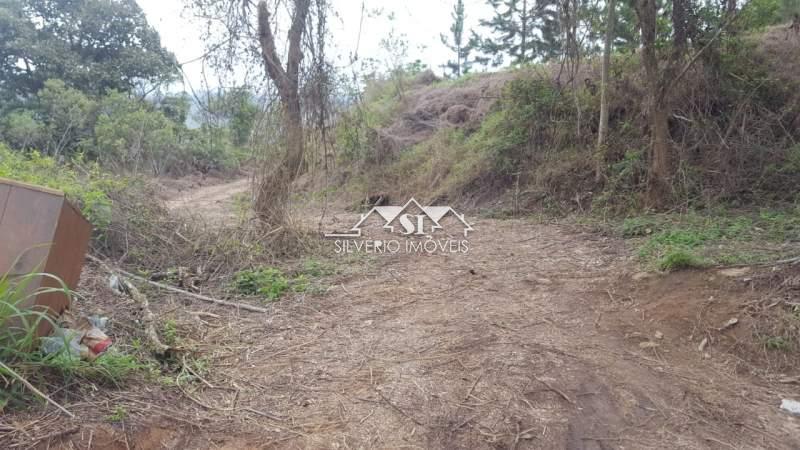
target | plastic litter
[
  {"x": 792, "y": 406},
  {"x": 87, "y": 341}
]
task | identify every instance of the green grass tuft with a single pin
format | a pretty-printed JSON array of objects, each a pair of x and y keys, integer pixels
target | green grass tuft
[
  {"x": 778, "y": 343},
  {"x": 22, "y": 357},
  {"x": 679, "y": 260},
  {"x": 717, "y": 237}
]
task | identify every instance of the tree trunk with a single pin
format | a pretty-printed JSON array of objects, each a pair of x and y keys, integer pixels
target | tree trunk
[
  {"x": 602, "y": 128},
  {"x": 274, "y": 182},
  {"x": 658, "y": 183},
  {"x": 679, "y": 26},
  {"x": 524, "y": 30}
]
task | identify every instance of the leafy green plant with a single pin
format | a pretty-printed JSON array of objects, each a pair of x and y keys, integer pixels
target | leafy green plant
[
  {"x": 170, "y": 332},
  {"x": 271, "y": 283},
  {"x": 638, "y": 226},
  {"x": 678, "y": 260},
  {"x": 300, "y": 283},
  {"x": 119, "y": 414},
  {"x": 316, "y": 268},
  {"x": 267, "y": 282}
]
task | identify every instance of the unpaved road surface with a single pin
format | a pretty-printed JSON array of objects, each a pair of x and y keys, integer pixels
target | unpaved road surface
[
  {"x": 536, "y": 338},
  {"x": 213, "y": 203}
]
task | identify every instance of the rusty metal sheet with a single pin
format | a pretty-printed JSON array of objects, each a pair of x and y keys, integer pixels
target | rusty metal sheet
[{"x": 41, "y": 231}]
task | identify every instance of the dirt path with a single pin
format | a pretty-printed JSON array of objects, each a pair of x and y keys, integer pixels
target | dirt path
[
  {"x": 213, "y": 203},
  {"x": 536, "y": 338}
]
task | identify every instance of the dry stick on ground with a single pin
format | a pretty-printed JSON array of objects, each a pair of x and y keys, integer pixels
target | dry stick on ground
[
  {"x": 34, "y": 390},
  {"x": 397, "y": 408},
  {"x": 176, "y": 290},
  {"x": 148, "y": 318},
  {"x": 560, "y": 393},
  {"x": 795, "y": 260}
]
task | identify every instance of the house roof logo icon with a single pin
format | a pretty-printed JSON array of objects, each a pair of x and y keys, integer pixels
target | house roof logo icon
[{"x": 390, "y": 213}]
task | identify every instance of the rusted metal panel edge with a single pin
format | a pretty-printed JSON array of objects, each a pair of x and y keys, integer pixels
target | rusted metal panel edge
[{"x": 34, "y": 187}]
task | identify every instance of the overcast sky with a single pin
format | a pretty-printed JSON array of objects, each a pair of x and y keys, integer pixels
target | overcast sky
[{"x": 422, "y": 21}]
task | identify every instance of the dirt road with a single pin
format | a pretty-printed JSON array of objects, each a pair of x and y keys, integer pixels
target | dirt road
[
  {"x": 538, "y": 337},
  {"x": 213, "y": 203}
]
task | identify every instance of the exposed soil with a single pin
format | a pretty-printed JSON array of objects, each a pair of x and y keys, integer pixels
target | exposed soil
[
  {"x": 212, "y": 202},
  {"x": 541, "y": 336}
]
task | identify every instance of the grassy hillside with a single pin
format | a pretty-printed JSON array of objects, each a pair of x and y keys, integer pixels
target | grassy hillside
[{"x": 524, "y": 139}]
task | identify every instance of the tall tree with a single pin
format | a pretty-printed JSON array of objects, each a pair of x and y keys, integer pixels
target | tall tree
[
  {"x": 462, "y": 49},
  {"x": 93, "y": 45},
  {"x": 660, "y": 151},
  {"x": 272, "y": 194},
  {"x": 244, "y": 32},
  {"x": 602, "y": 127},
  {"x": 523, "y": 30},
  {"x": 659, "y": 79}
]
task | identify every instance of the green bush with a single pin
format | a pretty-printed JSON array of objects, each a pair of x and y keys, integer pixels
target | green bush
[
  {"x": 22, "y": 130},
  {"x": 66, "y": 114},
  {"x": 90, "y": 189},
  {"x": 757, "y": 14},
  {"x": 128, "y": 135}
]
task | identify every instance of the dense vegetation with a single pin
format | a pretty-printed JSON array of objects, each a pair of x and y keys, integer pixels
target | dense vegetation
[
  {"x": 88, "y": 78},
  {"x": 732, "y": 129}
]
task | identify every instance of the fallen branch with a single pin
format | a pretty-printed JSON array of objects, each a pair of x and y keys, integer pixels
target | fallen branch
[
  {"x": 57, "y": 434},
  {"x": 148, "y": 318},
  {"x": 176, "y": 290}
]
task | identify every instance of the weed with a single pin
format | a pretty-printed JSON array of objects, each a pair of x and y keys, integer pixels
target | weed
[
  {"x": 113, "y": 366},
  {"x": 192, "y": 369},
  {"x": 316, "y": 268},
  {"x": 267, "y": 282},
  {"x": 20, "y": 322},
  {"x": 300, "y": 283},
  {"x": 638, "y": 226},
  {"x": 778, "y": 343},
  {"x": 271, "y": 283},
  {"x": 119, "y": 414},
  {"x": 679, "y": 260},
  {"x": 136, "y": 344},
  {"x": 170, "y": 332},
  {"x": 719, "y": 237}
]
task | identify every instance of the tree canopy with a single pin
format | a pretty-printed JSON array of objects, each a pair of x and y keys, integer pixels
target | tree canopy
[{"x": 92, "y": 45}]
